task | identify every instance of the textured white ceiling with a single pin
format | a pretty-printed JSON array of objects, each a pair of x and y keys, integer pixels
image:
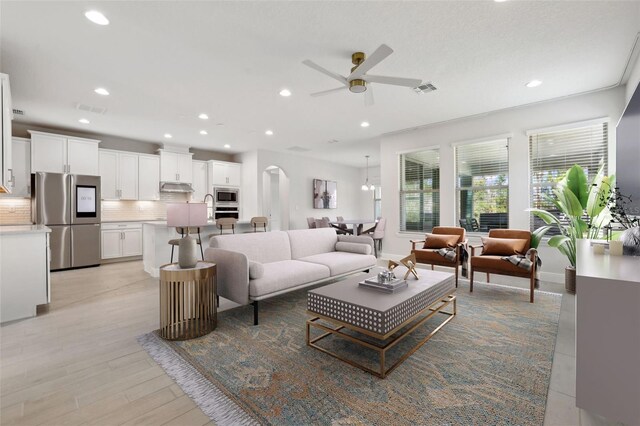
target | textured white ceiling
[{"x": 165, "y": 62}]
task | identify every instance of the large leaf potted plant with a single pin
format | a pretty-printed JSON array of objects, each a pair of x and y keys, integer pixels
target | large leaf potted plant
[{"x": 583, "y": 213}]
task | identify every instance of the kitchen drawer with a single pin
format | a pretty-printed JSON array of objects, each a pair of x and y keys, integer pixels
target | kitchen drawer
[{"x": 121, "y": 225}]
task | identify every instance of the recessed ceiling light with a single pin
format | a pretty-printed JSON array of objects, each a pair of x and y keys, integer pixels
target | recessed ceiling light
[
  {"x": 203, "y": 116},
  {"x": 168, "y": 135},
  {"x": 533, "y": 83},
  {"x": 220, "y": 124},
  {"x": 364, "y": 124},
  {"x": 97, "y": 17},
  {"x": 203, "y": 132},
  {"x": 285, "y": 93},
  {"x": 102, "y": 91},
  {"x": 269, "y": 133},
  {"x": 84, "y": 121},
  {"x": 226, "y": 145}
]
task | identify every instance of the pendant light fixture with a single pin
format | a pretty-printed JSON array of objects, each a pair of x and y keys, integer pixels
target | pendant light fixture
[{"x": 365, "y": 185}]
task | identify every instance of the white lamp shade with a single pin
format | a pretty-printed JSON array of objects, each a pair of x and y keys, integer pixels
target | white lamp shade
[{"x": 186, "y": 214}]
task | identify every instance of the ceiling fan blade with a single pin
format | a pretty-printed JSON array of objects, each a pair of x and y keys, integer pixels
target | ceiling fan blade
[
  {"x": 325, "y": 71},
  {"x": 368, "y": 96},
  {"x": 397, "y": 81},
  {"x": 374, "y": 59},
  {"x": 327, "y": 92}
]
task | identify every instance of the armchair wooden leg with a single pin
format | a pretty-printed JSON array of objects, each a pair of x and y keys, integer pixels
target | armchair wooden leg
[
  {"x": 471, "y": 281},
  {"x": 488, "y": 278},
  {"x": 456, "y": 268},
  {"x": 255, "y": 312},
  {"x": 532, "y": 285},
  {"x": 432, "y": 267}
]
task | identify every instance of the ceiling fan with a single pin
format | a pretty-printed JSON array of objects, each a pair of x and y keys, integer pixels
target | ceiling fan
[{"x": 357, "y": 81}]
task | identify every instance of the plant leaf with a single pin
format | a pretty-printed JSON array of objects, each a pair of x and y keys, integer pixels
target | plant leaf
[
  {"x": 558, "y": 240},
  {"x": 599, "y": 195},
  {"x": 536, "y": 236},
  {"x": 571, "y": 205},
  {"x": 576, "y": 181},
  {"x": 547, "y": 217}
]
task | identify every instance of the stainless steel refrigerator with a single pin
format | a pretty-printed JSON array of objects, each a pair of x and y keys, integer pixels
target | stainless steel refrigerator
[{"x": 70, "y": 206}]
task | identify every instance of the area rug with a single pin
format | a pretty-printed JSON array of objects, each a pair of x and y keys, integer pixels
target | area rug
[{"x": 489, "y": 365}]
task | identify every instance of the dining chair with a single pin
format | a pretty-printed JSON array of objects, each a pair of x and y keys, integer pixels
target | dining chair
[
  {"x": 377, "y": 233},
  {"x": 176, "y": 241},
  {"x": 341, "y": 229},
  {"x": 311, "y": 222},
  {"x": 323, "y": 223}
]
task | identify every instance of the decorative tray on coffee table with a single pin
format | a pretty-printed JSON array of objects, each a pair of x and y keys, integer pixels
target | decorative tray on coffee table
[{"x": 392, "y": 286}]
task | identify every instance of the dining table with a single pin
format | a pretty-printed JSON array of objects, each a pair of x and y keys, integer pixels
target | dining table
[{"x": 356, "y": 224}]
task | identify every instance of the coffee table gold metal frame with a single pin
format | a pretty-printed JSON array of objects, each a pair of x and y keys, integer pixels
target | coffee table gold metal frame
[{"x": 414, "y": 322}]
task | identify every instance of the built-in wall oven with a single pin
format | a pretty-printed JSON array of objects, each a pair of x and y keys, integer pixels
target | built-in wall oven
[
  {"x": 221, "y": 212},
  {"x": 226, "y": 196}
]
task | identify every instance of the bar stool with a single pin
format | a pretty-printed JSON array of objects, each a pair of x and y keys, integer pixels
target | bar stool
[
  {"x": 225, "y": 223},
  {"x": 176, "y": 241},
  {"x": 259, "y": 221}
]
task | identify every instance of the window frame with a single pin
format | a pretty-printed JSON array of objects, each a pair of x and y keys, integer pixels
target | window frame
[{"x": 402, "y": 223}]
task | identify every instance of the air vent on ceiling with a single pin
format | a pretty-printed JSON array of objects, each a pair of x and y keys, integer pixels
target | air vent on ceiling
[
  {"x": 298, "y": 149},
  {"x": 18, "y": 112},
  {"x": 425, "y": 88},
  {"x": 92, "y": 109},
  {"x": 333, "y": 141}
]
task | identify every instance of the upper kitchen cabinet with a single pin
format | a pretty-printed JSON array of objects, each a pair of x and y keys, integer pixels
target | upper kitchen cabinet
[
  {"x": 222, "y": 173},
  {"x": 199, "y": 180},
  {"x": 21, "y": 163},
  {"x": 148, "y": 177},
  {"x": 63, "y": 154},
  {"x": 119, "y": 173},
  {"x": 175, "y": 167},
  {"x": 6, "y": 115}
]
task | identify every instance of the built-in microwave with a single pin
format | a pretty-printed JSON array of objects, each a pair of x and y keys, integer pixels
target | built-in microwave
[{"x": 226, "y": 196}]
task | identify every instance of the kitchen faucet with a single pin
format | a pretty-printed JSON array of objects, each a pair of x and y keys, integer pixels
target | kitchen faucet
[{"x": 204, "y": 200}]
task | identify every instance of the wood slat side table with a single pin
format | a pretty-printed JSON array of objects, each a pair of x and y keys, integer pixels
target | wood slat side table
[{"x": 187, "y": 301}]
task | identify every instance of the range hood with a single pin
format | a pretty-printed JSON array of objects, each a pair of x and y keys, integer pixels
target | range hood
[{"x": 175, "y": 187}]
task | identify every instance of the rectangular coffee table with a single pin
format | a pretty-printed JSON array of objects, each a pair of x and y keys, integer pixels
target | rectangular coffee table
[{"x": 388, "y": 318}]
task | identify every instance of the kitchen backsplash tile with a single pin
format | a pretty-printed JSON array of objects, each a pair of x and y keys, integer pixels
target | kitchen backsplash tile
[{"x": 15, "y": 211}]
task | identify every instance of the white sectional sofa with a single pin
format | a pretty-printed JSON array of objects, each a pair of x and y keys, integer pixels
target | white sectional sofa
[{"x": 256, "y": 266}]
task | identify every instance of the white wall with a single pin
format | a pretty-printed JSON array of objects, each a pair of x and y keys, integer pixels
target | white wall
[
  {"x": 634, "y": 80},
  {"x": 301, "y": 171},
  {"x": 515, "y": 122}
]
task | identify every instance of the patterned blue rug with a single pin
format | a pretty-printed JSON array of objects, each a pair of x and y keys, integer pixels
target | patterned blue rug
[{"x": 490, "y": 365}]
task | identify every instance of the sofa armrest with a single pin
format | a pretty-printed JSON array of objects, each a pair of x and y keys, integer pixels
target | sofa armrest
[
  {"x": 232, "y": 274},
  {"x": 361, "y": 239}
]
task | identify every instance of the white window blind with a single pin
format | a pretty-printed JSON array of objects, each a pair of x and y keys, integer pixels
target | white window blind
[
  {"x": 420, "y": 190},
  {"x": 482, "y": 185},
  {"x": 552, "y": 153}
]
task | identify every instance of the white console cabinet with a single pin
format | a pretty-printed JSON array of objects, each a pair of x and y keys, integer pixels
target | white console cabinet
[{"x": 121, "y": 240}]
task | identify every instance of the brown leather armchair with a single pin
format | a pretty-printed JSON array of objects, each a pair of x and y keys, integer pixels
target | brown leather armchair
[
  {"x": 493, "y": 264},
  {"x": 430, "y": 257}
]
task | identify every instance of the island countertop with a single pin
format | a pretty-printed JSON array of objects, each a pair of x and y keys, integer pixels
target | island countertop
[
  {"x": 23, "y": 229},
  {"x": 209, "y": 223}
]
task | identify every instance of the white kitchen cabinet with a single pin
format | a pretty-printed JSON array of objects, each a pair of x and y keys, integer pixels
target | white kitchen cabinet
[
  {"x": 119, "y": 175},
  {"x": 175, "y": 166},
  {"x": 21, "y": 164},
  {"x": 199, "y": 179},
  {"x": 6, "y": 115},
  {"x": 82, "y": 157},
  {"x": 63, "y": 154},
  {"x": 148, "y": 177},
  {"x": 121, "y": 240},
  {"x": 223, "y": 173}
]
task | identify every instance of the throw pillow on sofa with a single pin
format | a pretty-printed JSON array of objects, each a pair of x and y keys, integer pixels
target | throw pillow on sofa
[
  {"x": 438, "y": 241},
  {"x": 256, "y": 270},
  {"x": 357, "y": 248},
  {"x": 503, "y": 246}
]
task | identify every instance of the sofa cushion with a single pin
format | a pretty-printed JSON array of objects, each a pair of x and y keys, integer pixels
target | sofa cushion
[
  {"x": 357, "y": 248},
  {"x": 256, "y": 270},
  {"x": 263, "y": 247},
  {"x": 307, "y": 242},
  {"x": 496, "y": 262},
  {"x": 285, "y": 274},
  {"x": 342, "y": 262},
  {"x": 503, "y": 246},
  {"x": 438, "y": 241}
]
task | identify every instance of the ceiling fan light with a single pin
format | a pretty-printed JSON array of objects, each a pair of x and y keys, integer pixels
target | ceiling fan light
[
  {"x": 357, "y": 86},
  {"x": 372, "y": 187},
  {"x": 364, "y": 187}
]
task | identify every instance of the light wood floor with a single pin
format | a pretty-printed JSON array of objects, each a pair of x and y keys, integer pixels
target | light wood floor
[{"x": 79, "y": 363}]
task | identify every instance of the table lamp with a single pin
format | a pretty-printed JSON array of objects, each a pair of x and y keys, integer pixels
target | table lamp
[{"x": 184, "y": 215}]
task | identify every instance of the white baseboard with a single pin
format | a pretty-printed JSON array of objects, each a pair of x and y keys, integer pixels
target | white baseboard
[{"x": 552, "y": 277}]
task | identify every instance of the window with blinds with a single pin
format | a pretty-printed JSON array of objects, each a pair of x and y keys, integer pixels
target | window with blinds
[
  {"x": 551, "y": 154},
  {"x": 420, "y": 190},
  {"x": 482, "y": 185}
]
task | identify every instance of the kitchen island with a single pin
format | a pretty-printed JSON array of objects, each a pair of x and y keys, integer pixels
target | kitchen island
[
  {"x": 156, "y": 250},
  {"x": 24, "y": 270}
]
